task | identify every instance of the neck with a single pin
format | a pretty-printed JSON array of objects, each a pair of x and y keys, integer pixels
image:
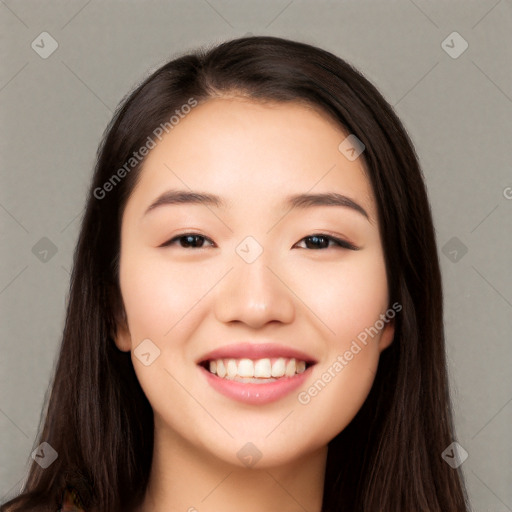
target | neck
[{"x": 186, "y": 478}]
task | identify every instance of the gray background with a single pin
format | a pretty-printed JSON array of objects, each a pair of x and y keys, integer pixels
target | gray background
[{"x": 457, "y": 111}]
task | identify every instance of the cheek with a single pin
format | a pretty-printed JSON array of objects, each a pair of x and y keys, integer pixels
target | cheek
[
  {"x": 338, "y": 391},
  {"x": 159, "y": 298},
  {"x": 351, "y": 298},
  {"x": 351, "y": 302},
  {"x": 163, "y": 305},
  {"x": 159, "y": 301}
]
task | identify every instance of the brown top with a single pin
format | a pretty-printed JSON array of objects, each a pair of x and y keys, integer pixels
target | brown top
[{"x": 71, "y": 501}]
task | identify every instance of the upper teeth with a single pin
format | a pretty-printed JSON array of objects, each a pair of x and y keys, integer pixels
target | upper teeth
[{"x": 262, "y": 368}]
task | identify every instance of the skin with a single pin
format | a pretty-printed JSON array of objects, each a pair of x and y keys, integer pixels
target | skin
[{"x": 186, "y": 302}]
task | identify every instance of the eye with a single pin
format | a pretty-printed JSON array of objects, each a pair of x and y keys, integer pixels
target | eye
[
  {"x": 316, "y": 241},
  {"x": 321, "y": 241},
  {"x": 188, "y": 240}
]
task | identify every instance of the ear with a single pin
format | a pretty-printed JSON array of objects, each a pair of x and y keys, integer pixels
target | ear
[
  {"x": 122, "y": 337},
  {"x": 387, "y": 335},
  {"x": 119, "y": 330}
]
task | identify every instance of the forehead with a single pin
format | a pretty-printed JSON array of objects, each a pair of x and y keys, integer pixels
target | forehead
[{"x": 253, "y": 153}]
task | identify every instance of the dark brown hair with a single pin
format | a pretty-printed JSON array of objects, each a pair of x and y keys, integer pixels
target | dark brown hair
[{"x": 98, "y": 418}]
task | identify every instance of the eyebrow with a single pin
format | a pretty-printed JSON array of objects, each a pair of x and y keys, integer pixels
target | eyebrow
[{"x": 301, "y": 201}]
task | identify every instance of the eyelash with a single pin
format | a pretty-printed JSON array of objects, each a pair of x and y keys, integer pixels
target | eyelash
[{"x": 343, "y": 244}]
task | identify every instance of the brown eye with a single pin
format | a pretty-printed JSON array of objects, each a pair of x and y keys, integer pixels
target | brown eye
[
  {"x": 187, "y": 241},
  {"x": 317, "y": 242},
  {"x": 322, "y": 241}
]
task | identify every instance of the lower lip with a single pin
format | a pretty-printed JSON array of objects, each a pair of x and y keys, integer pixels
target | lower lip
[{"x": 256, "y": 394}]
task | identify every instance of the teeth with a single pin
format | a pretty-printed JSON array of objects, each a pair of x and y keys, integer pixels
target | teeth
[
  {"x": 247, "y": 370},
  {"x": 221, "y": 369},
  {"x": 232, "y": 369},
  {"x": 278, "y": 368},
  {"x": 290, "y": 368},
  {"x": 262, "y": 368}
]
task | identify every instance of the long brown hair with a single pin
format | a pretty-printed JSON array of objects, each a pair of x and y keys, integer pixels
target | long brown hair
[{"x": 98, "y": 418}]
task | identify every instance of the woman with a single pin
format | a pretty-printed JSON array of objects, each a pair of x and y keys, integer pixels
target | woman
[{"x": 255, "y": 313}]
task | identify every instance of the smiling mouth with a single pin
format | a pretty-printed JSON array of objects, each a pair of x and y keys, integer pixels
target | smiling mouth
[{"x": 256, "y": 371}]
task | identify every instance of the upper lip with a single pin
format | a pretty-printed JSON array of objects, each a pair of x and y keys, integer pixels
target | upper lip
[{"x": 256, "y": 351}]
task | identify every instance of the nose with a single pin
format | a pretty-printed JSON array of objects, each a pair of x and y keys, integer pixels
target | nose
[{"x": 254, "y": 294}]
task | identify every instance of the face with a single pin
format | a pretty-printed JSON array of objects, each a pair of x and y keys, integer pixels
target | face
[{"x": 254, "y": 279}]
